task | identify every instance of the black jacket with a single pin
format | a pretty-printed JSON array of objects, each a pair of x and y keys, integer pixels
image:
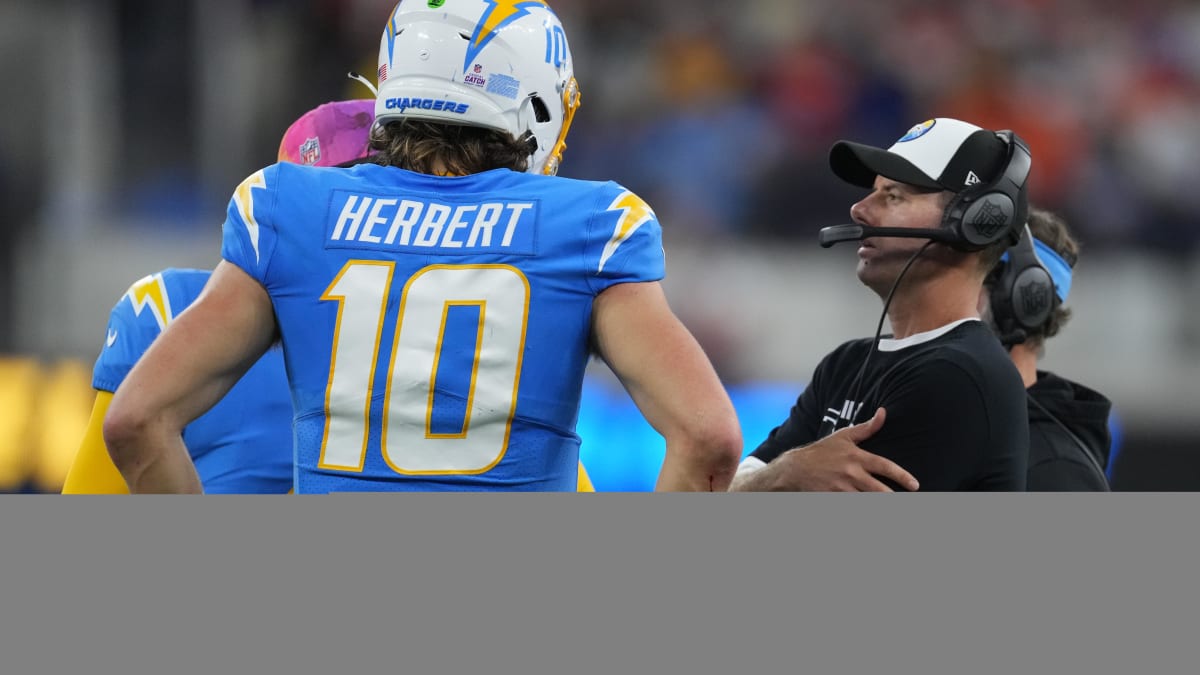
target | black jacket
[{"x": 1057, "y": 462}]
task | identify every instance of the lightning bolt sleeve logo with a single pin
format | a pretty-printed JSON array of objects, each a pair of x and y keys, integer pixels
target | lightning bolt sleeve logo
[
  {"x": 635, "y": 213},
  {"x": 151, "y": 292},
  {"x": 244, "y": 197},
  {"x": 498, "y": 14}
]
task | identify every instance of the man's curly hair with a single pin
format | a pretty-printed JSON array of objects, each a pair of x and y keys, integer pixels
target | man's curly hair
[{"x": 459, "y": 150}]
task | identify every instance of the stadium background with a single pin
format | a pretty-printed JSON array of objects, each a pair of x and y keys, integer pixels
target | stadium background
[{"x": 129, "y": 122}]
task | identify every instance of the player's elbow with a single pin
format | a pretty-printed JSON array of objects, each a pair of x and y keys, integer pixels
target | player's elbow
[
  {"x": 727, "y": 454},
  {"x": 716, "y": 448},
  {"x": 125, "y": 430}
]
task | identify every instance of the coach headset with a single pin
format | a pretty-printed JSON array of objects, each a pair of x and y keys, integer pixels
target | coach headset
[
  {"x": 1023, "y": 293},
  {"x": 981, "y": 217}
]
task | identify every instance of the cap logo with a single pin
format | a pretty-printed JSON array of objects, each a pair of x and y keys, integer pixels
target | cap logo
[
  {"x": 917, "y": 131},
  {"x": 972, "y": 179},
  {"x": 310, "y": 151}
]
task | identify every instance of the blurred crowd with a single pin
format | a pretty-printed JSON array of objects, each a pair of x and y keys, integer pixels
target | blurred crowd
[
  {"x": 724, "y": 119},
  {"x": 721, "y": 113}
]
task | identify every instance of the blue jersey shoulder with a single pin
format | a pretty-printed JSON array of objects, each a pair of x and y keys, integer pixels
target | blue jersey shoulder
[
  {"x": 139, "y": 316},
  {"x": 243, "y": 444}
]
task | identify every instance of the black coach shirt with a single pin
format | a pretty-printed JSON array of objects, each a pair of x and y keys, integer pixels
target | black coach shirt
[{"x": 956, "y": 409}]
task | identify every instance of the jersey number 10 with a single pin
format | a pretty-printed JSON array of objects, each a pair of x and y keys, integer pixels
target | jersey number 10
[{"x": 412, "y": 440}]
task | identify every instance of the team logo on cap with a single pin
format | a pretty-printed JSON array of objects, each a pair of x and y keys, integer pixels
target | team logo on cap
[
  {"x": 917, "y": 131},
  {"x": 310, "y": 151}
]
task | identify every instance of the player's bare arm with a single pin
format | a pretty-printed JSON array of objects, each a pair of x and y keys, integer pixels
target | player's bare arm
[
  {"x": 205, "y": 350},
  {"x": 673, "y": 384}
]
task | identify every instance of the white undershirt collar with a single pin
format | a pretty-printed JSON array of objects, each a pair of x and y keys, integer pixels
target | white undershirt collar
[{"x": 893, "y": 345}]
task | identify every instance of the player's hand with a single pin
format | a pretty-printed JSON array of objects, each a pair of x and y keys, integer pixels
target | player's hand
[{"x": 836, "y": 463}]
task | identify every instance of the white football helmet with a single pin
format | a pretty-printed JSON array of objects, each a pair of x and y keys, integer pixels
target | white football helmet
[{"x": 500, "y": 64}]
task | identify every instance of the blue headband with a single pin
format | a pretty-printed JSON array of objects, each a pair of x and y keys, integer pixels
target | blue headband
[{"x": 1060, "y": 271}]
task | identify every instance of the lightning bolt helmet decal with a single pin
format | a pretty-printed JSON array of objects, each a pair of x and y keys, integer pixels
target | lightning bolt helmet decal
[{"x": 498, "y": 14}]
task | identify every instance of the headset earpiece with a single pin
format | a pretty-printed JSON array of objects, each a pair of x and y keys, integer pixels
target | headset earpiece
[
  {"x": 984, "y": 215},
  {"x": 1022, "y": 292}
]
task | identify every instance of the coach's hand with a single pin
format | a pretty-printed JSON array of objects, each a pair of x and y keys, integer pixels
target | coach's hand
[{"x": 836, "y": 463}]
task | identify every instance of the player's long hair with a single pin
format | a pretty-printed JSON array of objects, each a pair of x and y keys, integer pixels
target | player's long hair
[{"x": 461, "y": 150}]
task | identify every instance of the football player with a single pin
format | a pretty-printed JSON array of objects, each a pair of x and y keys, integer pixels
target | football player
[{"x": 437, "y": 305}]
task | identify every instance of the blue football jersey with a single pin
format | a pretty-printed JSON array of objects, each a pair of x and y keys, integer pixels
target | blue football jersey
[
  {"x": 244, "y": 443},
  {"x": 436, "y": 329}
]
